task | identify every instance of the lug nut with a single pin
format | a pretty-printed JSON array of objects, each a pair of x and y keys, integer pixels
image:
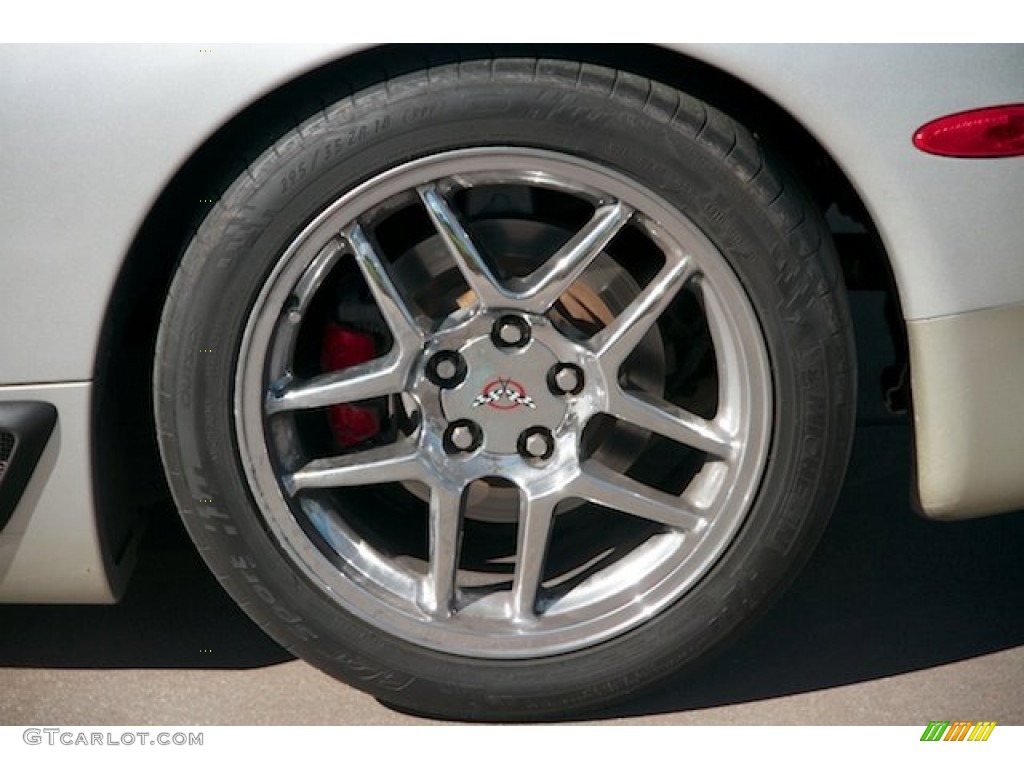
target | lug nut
[
  {"x": 462, "y": 436},
  {"x": 536, "y": 443},
  {"x": 446, "y": 369},
  {"x": 510, "y": 331},
  {"x": 565, "y": 379}
]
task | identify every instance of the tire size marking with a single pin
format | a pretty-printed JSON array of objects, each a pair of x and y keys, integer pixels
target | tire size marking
[
  {"x": 331, "y": 150},
  {"x": 294, "y": 176}
]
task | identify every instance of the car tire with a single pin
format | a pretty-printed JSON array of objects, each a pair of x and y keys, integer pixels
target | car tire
[{"x": 507, "y": 389}]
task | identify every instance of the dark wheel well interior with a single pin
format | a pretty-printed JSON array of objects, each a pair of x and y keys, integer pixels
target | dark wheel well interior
[{"x": 128, "y": 474}]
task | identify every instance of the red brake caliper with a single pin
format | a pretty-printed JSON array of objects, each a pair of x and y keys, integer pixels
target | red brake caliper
[{"x": 343, "y": 348}]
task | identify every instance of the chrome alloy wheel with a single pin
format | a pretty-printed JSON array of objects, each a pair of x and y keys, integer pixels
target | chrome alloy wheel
[{"x": 497, "y": 389}]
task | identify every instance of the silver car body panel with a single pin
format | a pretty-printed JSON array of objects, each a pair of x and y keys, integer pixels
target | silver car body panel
[
  {"x": 97, "y": 134},
  {"x": 94, "y": 134},
  {"x": 50, "y": 550},
  {"x": 967, "y": 371},
  {"x": 952, "y": 228}
]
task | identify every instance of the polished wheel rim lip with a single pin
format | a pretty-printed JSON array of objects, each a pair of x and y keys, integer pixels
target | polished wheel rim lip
[{"x": 654, "y": 575}]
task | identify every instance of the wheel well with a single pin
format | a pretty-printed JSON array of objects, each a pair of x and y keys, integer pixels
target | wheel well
[{"x": 128, "y": 475}]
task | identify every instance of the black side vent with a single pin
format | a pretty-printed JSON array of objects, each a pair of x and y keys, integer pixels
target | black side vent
[
  {"x": 7, "y": 443},
  {"x": 24, "y": 430}
]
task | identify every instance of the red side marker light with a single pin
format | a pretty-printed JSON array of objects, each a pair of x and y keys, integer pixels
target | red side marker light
[{"x": 989, "y": 132}]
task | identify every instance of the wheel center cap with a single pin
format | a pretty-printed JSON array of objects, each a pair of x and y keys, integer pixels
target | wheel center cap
[{"x": 506, "y": 392}]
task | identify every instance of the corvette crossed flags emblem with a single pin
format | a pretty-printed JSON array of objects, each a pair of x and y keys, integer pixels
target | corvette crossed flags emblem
[{"x": 503, "y": 394}]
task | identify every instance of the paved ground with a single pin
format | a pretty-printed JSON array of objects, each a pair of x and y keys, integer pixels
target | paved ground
[{"x": 895, "y": 621}]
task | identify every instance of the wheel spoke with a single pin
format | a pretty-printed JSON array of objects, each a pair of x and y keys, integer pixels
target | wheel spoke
[
  {"x": 539, "y": 291},
  {"x": 315, "y": 273},
  {"x": 603, "y": 486},
  {"x": 408, "y": 329},
  {"x": 535, "y": 516},
  {"x": 446, "y": 508},
  {"x": 670, "y": 421},
  {"x": 614, "y": 343},
  {"x": 289, "y": 324},
  {"x": 386, "y": 464},
  {"x": 383, "y": 376},
  {"x": 462, "y": 249}
]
